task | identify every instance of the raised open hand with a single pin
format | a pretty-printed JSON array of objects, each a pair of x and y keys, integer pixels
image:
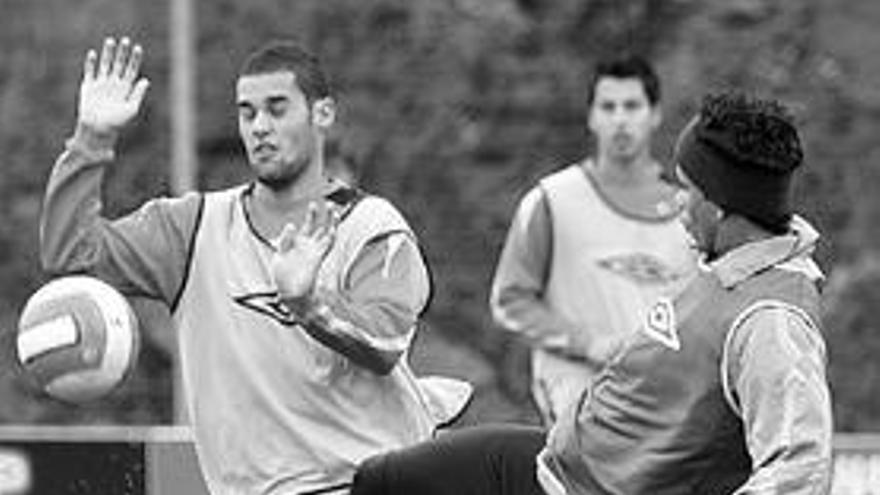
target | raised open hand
[
  {"x": 111, "y": 92},
  {"x": 301, "y": 250}
]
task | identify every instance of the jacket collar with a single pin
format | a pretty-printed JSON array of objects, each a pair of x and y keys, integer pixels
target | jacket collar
[{"x": 790, "y": 251}]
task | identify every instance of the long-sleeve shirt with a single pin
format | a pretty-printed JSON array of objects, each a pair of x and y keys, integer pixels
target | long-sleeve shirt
[
  {"x": 577, "y": 273},
  {"x": 147, "y": 253},
  {"x": 775, "y": 374},
  {"x": 768, "y": 387},
  {"x": 279, "y": 399}
]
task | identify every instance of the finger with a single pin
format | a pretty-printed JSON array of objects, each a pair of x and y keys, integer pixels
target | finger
[
  {"x": 119, "y": 61},
  {"x": 324, "y": 244},
  {"x": 134, "y": 63},
  {"x": 330, "y": 220},
  {"x": 335, "y": 215},
  {"x": 287, "y": 238},
  {"x": 327, "y": 239},
  {"x": 106, "y": 56},
  {"x": 311, "y": 224},
  {"x": 89, "y": 64},
  {"x": 138, "y": 91}
]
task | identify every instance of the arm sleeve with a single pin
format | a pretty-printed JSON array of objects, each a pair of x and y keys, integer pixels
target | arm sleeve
[
  {"x": 517, "y": 297},
  {"x": 776, "y": 375},
  {"x": 145, "y": 253},
  {"x": 372, "y": 319}
]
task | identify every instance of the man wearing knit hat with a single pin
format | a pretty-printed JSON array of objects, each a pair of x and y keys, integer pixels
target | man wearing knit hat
[{"x": 722, "y": 390}]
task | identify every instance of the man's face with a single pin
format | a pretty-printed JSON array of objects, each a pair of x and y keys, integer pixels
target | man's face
[
  {"x": 276, "y": 126},
  {"x": 622, "y": 117},
  {"x": 701, "y": 217}
]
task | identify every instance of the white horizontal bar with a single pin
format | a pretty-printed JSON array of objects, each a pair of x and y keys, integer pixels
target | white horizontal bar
[{"x": 95, "y": 433}]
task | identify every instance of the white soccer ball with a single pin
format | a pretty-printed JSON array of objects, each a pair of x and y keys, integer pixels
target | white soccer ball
[{"x": 77, "y": 338}]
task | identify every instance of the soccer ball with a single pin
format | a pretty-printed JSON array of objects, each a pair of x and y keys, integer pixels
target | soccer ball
[{"x": 77, "y": 338}]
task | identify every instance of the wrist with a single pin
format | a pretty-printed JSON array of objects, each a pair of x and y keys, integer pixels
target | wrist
[
  {"x": 92, "y": 138},
  {"x": 299, "y": 304}
]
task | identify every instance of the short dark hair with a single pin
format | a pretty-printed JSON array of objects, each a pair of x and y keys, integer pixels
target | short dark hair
[
  {"x": 753, "y": 130},
  {"x": 626, "y": 67},
  {"x": 286, "y": 55}
]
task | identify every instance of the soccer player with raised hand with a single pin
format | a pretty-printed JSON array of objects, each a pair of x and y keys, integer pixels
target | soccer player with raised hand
[{"x": 295, "y": 297}]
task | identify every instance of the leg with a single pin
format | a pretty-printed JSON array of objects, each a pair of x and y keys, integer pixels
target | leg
[{"x": 485, "y": 460}]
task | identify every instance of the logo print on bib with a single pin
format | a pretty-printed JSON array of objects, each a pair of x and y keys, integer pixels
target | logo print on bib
[
  {"x": 269, "y": 304},
  {"x": 661, "y": 324}
]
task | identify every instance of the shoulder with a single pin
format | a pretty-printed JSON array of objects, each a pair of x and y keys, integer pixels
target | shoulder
[
  {"x": 378, "y": 208},
  {"x": 671, "y": 198},
  {"x": 565, "y": 176},
  {"x": 186, "y": 206},
  {"x": 368, "y": 215},
  {"x": 772, "y": 312},
  {"x": 780, "y": 328}
]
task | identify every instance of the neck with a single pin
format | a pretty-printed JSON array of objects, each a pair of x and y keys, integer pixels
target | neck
[
  {"x": 307, "y": 187},
  {"x": 271, "y": 208},
  {"x": 626, "y": 170},
  {"x": 735, "y": 230}
]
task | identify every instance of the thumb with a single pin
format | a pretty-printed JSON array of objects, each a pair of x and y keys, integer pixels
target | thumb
[{"x": 138, "y": 91}]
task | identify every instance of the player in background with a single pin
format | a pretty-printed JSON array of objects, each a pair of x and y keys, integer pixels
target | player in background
[
  {"x": 592, "y": 245},
  {"x": 722, "y": 391},
  {"x": 295, "y": 297}
]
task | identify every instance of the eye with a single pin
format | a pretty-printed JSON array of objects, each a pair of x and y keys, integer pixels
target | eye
[
  {"x": 278, "y": 108},
  {"x": 246, "y": 112},
  {"x": 633, "y": 105}
]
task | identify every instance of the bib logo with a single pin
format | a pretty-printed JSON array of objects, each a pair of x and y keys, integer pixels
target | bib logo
[
  {"x": 641, "y": 268},
  {"x": 661, "y": 324},
  {"x": 268, "y": 304}
]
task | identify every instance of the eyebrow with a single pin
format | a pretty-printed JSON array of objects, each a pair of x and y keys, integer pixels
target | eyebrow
[{"x": 271, "y": 100}]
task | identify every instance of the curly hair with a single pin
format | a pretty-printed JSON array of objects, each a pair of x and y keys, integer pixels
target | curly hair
[{"x": 753, "y": 131}]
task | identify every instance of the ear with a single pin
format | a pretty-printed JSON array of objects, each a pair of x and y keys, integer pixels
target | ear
[
  {"x": 324, "y": 113},
  {"x": 656, "y": 116},
  {"x": 591, "y": 125}
]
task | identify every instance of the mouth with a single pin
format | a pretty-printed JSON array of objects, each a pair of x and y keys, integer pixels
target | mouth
[
  {"x": 264, "y": 150},
  {"x": 621, "y": 138}
]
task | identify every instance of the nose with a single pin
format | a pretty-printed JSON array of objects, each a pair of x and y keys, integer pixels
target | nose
[
  {"x": 261, "y": 126},
  {"x": 619, "y": 117}
]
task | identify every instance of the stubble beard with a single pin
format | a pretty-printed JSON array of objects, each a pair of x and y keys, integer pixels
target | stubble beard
[{"x": 282, "y": 178}]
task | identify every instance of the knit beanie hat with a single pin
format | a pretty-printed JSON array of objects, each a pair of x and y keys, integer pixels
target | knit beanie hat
[{"x": 741, "y": 153}]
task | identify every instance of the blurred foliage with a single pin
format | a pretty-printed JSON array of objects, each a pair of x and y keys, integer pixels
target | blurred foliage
[{"x": 452, "y": 109}]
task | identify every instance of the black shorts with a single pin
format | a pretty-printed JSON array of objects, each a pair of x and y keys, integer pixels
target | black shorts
[{"x": 481, "y": 460}]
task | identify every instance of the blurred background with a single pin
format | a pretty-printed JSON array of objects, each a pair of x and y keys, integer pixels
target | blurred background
[{"x": 451, "y": 109}]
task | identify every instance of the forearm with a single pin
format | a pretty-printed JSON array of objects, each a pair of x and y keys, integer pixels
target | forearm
[
  {"x": 370, "y": 317},
  {"x": 350, "y": 330},
  {"x": 521, "y": 311},
  {"x": 71, "y": 212}
]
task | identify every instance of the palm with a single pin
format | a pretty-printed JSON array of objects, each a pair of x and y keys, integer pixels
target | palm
[
  {"x": 300, "y": 253},
  {"x": 111, "y": 92}
]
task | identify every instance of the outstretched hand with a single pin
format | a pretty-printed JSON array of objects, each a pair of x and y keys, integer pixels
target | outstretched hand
[
  {"x": 111, "y": 91},
  {"x": 301, "y": 250}
]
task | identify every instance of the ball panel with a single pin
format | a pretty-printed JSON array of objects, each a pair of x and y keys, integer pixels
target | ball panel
[
  {"x": 121, "y": 336},
  {"x": 57, "y": 363},
  {"x": 46, "y": 336},
  {"x": 86, "y": 312},
  {"x": 82, "y": 386}
]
